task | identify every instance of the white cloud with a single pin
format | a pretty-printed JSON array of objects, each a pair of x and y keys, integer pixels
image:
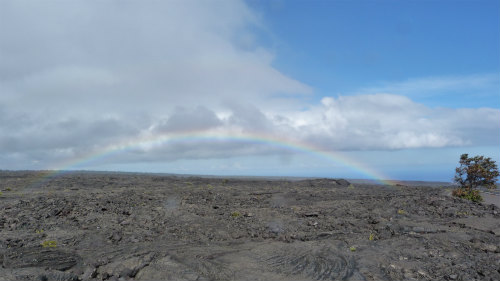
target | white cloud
[
  {"x": 85, "y": 57},
  {"x": 386, "y": 121}
]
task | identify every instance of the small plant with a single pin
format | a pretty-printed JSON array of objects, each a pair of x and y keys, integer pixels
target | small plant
[
  {"x": 209, "y": 186},
  {"x": 225, "y": 181},
  {"x": 372, "y": 237},
  {"x": 49, "y": 244},
  {"x": 352, "y": 249},
  {"x": 8, "y": 189},
  {"x": 39, "y": 231},
  {"x": 235, "y": 214},
  {"x": 401, "y": 212},
  {"x": 350, "y": 186},
  {"x": 1, "y": 193},
  {"x": 189, "y": 183},
  {"x": 469, "y": 194}
]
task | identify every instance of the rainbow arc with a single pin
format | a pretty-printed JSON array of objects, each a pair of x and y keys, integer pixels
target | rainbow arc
[{"x": 192, "y": 137}]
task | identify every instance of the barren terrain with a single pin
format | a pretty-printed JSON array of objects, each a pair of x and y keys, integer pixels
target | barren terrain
[{"x": 97, "y": 226}]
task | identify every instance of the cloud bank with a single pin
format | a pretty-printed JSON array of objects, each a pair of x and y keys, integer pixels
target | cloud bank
[
  {"x": 367, "y": 122},
  {"x": 80, "y": 76}
]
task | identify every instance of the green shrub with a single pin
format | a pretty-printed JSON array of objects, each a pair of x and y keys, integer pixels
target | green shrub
[
  {"x": 49, "y": 244},
  {"x": 469, "y": 194},
  {"x": 372, "y": 237},
  {"x": 235, "y": 214}
]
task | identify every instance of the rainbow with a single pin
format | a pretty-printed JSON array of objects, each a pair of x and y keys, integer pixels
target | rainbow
[{"x": 146, "y": 142}]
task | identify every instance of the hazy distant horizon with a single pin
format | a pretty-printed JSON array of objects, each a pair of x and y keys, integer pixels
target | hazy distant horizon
[{"x": 57, "y": 173}]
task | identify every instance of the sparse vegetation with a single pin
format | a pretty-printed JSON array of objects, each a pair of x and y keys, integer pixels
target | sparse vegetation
[
  {"x": 352, "y": 249},
  {"x": 472, "y": 173},
  {"x": 372, "y": 237},
  {"x": 401, "y": 212},
  {"x": 469, "y": 194},
  {"x": 235, "y": 214},
  {"x": 49, "y": 244}
]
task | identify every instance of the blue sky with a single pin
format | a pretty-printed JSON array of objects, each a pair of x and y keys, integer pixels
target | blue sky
[{"x": 354, "y": 89}]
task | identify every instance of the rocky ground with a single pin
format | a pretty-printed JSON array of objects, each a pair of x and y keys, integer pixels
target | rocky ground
[{"x": 95, "y": 226}]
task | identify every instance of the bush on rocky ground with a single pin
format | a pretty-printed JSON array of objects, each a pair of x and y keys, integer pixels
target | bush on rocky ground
[
  {"x": 474, "y": 172},
  {"x": 472, "y": 195}
]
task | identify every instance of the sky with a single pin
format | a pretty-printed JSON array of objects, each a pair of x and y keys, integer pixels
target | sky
[{"x": 353, "y": 89}]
